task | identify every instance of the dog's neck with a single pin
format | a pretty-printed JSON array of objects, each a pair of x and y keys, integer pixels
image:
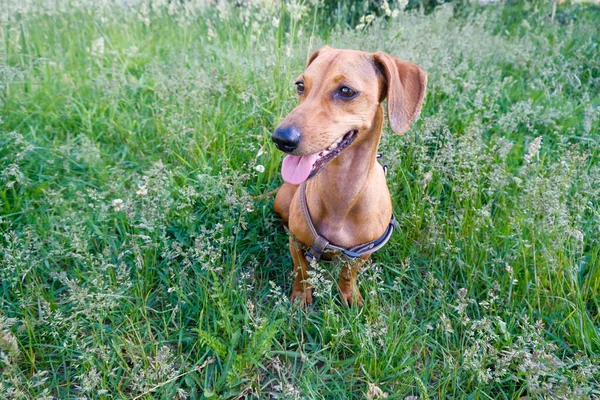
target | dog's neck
[{"x": 341, "y": 181}]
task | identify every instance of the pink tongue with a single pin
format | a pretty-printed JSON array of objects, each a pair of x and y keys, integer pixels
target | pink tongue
[{"x": 295, "y": 169}]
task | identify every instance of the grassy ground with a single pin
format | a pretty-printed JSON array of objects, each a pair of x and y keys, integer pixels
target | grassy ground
[{"x": 134, "y": 262}]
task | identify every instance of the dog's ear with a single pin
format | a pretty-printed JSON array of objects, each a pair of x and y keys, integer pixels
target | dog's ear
[
  {"x": 316, "y": 54},
  {"x": 404, "y": 85}
]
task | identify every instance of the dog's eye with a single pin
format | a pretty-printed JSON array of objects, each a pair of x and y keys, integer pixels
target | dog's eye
[
  {"x": 346, "y": 92},
  {"x": 300, "y": 87}
]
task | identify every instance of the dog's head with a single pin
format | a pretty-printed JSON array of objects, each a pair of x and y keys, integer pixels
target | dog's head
[{"x": 340, "y": 92}]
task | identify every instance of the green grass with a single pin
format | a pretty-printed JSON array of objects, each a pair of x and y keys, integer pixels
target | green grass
[{"x": 489, "y": 289}]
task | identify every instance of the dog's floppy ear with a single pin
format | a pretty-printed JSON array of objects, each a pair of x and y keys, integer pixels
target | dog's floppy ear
[
  {"x": 405, "y": 85},
  {"x": 316, "y": 54}
]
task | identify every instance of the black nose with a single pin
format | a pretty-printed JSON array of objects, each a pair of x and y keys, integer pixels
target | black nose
[{"x": 286, "y": 138}]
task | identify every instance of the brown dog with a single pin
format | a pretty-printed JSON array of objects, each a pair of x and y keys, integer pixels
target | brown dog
[{"x": 332, "y": 138}]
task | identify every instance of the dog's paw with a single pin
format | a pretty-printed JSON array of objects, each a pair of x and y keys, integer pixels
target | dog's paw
[
  {"x": 351, "y": 298},
  {"x": 304, "y": 297}
]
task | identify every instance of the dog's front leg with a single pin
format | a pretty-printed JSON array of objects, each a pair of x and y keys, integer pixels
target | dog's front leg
[
  {"x": 301, "y": 289},
  {"x": 347, "y": 282}
]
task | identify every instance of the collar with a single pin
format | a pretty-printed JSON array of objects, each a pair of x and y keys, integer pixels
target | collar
[{"x": 321, "y": 245}]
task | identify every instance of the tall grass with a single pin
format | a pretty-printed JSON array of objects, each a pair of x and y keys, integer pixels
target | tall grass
[{"x": 135, "y": 261}]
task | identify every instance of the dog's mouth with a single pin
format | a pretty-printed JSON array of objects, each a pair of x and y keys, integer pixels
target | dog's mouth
[{"x": 297, "y": 169}]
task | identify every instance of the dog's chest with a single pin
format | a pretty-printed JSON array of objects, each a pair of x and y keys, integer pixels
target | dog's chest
[{"x": 347, "y": 232}]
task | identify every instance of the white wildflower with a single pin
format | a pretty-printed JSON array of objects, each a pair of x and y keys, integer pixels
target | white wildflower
[
  {"x": 97, "y": 48},
  {"x": 590, "y": 115},
  {"x": 90, "y": 380},
  {"x": 360, "y": 26},
  {"x": 250, "y": 307},
  {"x": 260, "y": 168},
  {"x": 534, "y": 149},
  {"x": 427, "y": 178},
  {"x": 211, "y": 33},
  {"x": 395, "y": 13},
  {"x": 142, "y": 190},
  {"x": 118, "y": 204},
  {"x": 343, "y": 332},
  {"x": 8, "y": 342},
  {"x": 446, "y": 324},
  {"x": 132, "y": 51},
  {"x": 291, "y": 392},
  {"x": 577, "y": 235},
  {"x": 369, "y": 18},
  {"x": 376, "y": 393},
  {"x": 386, "y": 7}
]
